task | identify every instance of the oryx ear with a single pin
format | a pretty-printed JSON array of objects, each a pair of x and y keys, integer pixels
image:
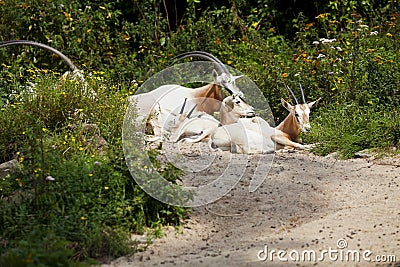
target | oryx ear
[
  {"x": 228, "y": 102},
  {"x": 286, "y": 104},
  {"x": 215, "y": 76},
  {"x": 311, "y": 104}
]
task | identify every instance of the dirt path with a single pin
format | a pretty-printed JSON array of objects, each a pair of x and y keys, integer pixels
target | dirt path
[{"x": 307, "y": 203}]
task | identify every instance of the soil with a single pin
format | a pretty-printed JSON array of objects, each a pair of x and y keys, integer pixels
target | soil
[{"x": 306, "y": 203}]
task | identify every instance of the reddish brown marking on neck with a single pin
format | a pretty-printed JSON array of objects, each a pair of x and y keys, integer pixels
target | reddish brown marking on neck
[
  {"x": 290, "y": 126},
  {"x": 208, "y": 98}
]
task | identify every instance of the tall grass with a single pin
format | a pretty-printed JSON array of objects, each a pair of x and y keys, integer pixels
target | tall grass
[{"x": 350, "y": 128}]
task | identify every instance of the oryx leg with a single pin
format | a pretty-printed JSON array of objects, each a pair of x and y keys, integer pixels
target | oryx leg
[
  {"x": 200, "y": 138},
  {"x": 283, "y": 140},
  {"x": 212, "y": 146}
]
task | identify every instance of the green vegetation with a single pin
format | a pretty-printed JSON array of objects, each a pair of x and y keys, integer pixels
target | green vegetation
[
  {"x": 343, "y": 51},
  {"x": 72, "y": 197}
]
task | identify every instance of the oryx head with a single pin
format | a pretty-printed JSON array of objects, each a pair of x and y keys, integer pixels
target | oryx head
[
  {"x": 238, "y": 105},
  {"x": 300, "y": 112},
  {"x": 227, "y": 81}
]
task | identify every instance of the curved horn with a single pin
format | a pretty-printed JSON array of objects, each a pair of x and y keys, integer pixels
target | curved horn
[
  {"x": 221, "y": 66},
  {"x": 183, "y": 106},
  {"x": 191, "y": 111},
  {"x": 294, "y": 97},
  {"x": 26, "y": 42},
  {"x": 302, "y": 94}
]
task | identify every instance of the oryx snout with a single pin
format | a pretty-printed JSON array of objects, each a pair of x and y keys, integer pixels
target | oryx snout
[
  {"x": 306, "y": 128},
  {"x": 249, "y": 113}
]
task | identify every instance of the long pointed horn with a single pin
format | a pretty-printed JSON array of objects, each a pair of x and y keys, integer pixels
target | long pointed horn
[
  {"x": 191, "y": 111},
  {"x": 294, "y": 97},
  {"x": 183, "y": 106},
  {"x": 201, "y": 54},
  {"x": 26, "y": 42},
  {"x": 302, "y": 94}
]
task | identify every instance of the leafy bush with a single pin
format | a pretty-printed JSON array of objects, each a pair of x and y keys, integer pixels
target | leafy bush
[{"x": 73, "y": 192}]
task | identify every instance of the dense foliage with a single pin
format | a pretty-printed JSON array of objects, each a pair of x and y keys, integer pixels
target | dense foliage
[{"x": 343, "y": 51}]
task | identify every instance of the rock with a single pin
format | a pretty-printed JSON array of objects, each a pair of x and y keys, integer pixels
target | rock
[
  {"x": 364, "y": 154},
  {"x": 8, "y": 167},
  {"x": 333, "y": 155},
  {"x": 141, "y": 239}
]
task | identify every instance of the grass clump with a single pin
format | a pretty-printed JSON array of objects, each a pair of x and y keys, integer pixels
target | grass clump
[{"x": 350, "y": 128}]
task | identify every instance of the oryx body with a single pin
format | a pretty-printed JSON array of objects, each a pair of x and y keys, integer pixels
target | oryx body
[
  {"x": 160, "y": 102},
  {"x": 76, "y": 73},
  {"x": 199, "y": 127},
  {"x": 255, "y": 135}
]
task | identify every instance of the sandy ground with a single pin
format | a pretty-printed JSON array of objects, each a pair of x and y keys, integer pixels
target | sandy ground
[{"x": 307, "y": 203}]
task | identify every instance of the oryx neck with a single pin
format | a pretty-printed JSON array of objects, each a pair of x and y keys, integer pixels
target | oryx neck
[
  {"x": 291, "y": 126},
  {"x": 209, "y": 98}
]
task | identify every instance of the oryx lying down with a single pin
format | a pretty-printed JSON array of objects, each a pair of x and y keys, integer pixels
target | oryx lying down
[
  {"x": 255, "y": 135},
  {"x": 231, "y": 109},
  {"x": 158, "y": 103},
  {"x": 75, "y": 71},
  {"x": 74, "y": 68},
  {"x": 238, "y": 135}
]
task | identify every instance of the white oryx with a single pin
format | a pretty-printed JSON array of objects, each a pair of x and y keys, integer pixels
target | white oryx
[
  {"x": 75, "y": 71},
  {"x": 158, "y": 103},
  {"x": 297, "y": 121},
  {"x": 255, "y": 135},
  {"x": 74, "y": 68},
  {"x": 237, "y": 134},
  {"x": 231, "y": 109}
]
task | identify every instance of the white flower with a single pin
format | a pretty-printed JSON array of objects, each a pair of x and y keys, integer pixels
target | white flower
[
  {"x": 373, "y": 33},
  {"x": 338, "y": 48},
  {"x": 320, "y": 56},
  {"x": 325, "y": 40},
  {"x": 50, "y": 178},
  {"x": 315, "y": 42},
  {"x": 297, "y": 74},
  {"x": 97, "y": 163}
]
